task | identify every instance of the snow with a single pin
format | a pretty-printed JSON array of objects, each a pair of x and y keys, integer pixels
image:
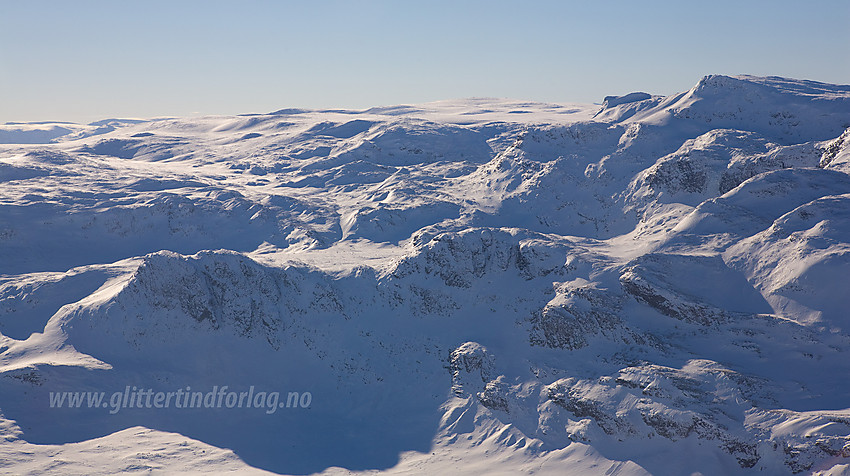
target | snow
[{"x": 656, "y": 286}]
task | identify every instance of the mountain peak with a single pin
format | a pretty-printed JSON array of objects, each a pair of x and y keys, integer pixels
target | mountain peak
[{"x": 781, "y": 109}]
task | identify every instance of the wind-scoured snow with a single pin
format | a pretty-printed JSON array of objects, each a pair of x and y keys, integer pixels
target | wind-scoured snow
[{"x": 657, "y": 285}]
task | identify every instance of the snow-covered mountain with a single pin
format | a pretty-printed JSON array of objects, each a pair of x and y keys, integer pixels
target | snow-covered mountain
[{"x": 654, "y": 286}]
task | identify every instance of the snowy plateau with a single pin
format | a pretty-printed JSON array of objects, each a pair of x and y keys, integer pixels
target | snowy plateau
[{"x": 657, "y": 285}]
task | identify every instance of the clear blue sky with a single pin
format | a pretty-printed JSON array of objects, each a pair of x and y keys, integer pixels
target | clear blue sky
[{"x": 86, "y": 60}]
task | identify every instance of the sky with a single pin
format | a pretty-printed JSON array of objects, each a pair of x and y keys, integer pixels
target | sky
[{"x": 87, "y": 60}]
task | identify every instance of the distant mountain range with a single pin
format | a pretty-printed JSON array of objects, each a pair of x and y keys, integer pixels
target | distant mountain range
[{"x": 655, "y": 286}]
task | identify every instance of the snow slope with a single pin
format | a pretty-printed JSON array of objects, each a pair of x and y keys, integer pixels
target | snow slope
[{"x": 653, "y": 286}]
